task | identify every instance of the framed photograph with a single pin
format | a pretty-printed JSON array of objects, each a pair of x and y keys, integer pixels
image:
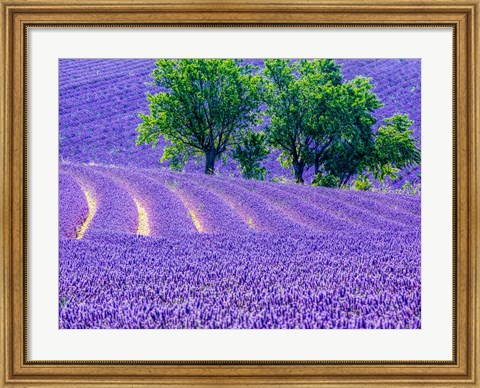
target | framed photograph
[{"x": 239, "y": 194}]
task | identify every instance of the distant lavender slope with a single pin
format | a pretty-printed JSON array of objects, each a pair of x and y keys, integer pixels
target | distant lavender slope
[
  {"x": 99, "y": 105},
  {"x": 100, "y": 100}
]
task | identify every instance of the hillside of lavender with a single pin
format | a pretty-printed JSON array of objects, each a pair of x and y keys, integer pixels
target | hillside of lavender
[
  {"x": 143, "y": 247},
  {"x": 99, "y": 102}
]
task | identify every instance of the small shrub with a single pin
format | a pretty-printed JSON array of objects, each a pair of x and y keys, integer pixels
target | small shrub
[
  {"x": 362, "y": 183},
  {"x": 326, "y": 180},
  {"x": 279, "y": 179},
  {"x": 408, "y": 188}
]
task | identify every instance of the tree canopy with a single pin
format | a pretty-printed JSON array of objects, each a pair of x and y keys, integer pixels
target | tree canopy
[
  {"x": 394, "y": 148},
  {"x": 250, "y": 152},
  {"x": 205, "y": 107},
  {"x": 209, "y": 108},
  {"x": 317, "y": 119}
]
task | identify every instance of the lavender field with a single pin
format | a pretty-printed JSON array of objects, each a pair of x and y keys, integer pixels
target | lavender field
[
  {"x": 99, "y": 101},
  {"x": 144, "y": 247}
]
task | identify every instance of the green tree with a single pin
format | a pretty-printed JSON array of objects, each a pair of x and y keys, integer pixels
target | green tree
[
  {"x": 344, "y": 139},
  {"x": 317, "y": 119},
  {"x": 251, "y": 151},
  {"x": 204, "y": 108},
  {"x": 287, "y": 105},
  {"x": 394, "y": 148}
]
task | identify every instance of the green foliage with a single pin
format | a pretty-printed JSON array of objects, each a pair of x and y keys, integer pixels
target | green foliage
[
  {"x": 176, "y": 155},
  {"x": 291, "y": 105},
  {"x": 344, "y": 142},
  {"x": 326, "y": 180},
  {"x": 279, "y": 179},
  {"x": 205, "y": 107},
  {"x": 362, "y": 183},
  {"x": 317, "y": 119},
  {"x": 408, "y": 188},
  {"x": 250, "y": 152},
  {"x": 394, "y": 148}
]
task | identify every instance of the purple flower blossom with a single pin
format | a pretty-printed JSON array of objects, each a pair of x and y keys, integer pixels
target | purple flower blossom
[{"x": 255, "y": 281}]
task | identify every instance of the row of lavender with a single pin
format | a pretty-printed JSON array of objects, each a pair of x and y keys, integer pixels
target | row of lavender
[
  {"x": 100, "y": 100},
  {"x": 173, "y": 204}
]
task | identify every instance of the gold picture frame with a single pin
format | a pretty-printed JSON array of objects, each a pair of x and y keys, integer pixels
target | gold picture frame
[{"x": 18, "y": 15}]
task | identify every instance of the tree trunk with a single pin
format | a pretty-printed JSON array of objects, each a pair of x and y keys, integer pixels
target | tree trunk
[
  {"x": 298, "y": 168},
  {"x": 210, "y": 161},
  {"x": 345, "y": 179},
  {"x": 317, "y": 164}
]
